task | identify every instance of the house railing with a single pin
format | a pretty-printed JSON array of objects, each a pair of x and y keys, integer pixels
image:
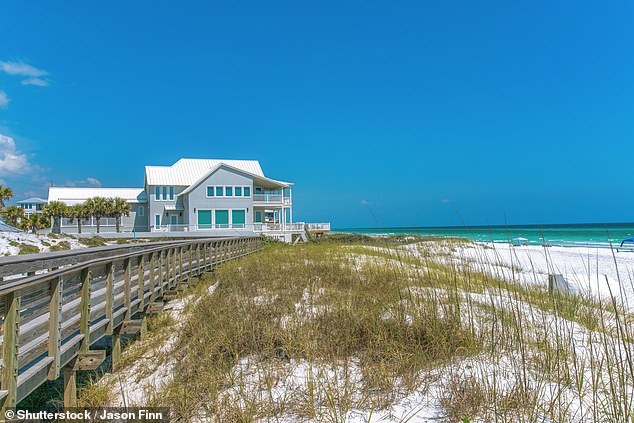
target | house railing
[
  {"x": 271, "y": 199},
  {"x": 318, "y": 226},
  {"x": 52, "y": 318}
]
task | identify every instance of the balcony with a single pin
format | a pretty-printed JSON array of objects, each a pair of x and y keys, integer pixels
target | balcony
[{"x": 271, "y": 199}]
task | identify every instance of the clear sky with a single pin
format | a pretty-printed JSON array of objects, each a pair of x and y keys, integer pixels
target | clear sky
[{"x": 382, "y": 113}]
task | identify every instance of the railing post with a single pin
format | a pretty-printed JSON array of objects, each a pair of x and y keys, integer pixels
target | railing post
[
  {"x": 84, "y": 307},
  {"x": 167, "y": 268},
  {"x": 190, "y": 252},
  {"x": 55, "y": 326},
  {"x": 110, "y": 297},
  {"x": 198, "y": 272},
  {"x": 161, "y": 271},
  {"x": 180, "y": 267},
  {"x": 127, "y": 265},
  {"x": 207, "y": 258},
  {"x": 173, "y": 266},
  {"x": 151, "y": 276},
  {"x": 140, "y": 282},
  {"x": 10, "y": 347}
]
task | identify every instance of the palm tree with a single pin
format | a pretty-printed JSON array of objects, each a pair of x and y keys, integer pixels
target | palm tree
[
  {"x": 56, "y": 210},
  {"x": 5, "y": 194},
  {"x": 12, "y": 215},
  {"x": 99, "y": 207},
  {"x": 34, "y": 222},
  {"x": 79, "y": 212},
  {"x": 120, "y": 207}
]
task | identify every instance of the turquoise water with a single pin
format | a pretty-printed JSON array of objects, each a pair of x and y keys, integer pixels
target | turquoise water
[{"x": 566, "y": 235}]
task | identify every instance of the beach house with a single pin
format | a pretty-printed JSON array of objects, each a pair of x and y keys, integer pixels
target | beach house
[
  {"x": 32, "y": 205},
  {"x": 198, "y": 197},
  {"x": 211, "y": 194}
]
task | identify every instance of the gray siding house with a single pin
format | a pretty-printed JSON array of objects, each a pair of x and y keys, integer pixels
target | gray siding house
[
  {"x": 195, "y": 197},
  {"x": 208, "y": 195}
]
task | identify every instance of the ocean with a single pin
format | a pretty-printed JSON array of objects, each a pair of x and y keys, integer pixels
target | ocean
[{"x": 596, "y": 234}]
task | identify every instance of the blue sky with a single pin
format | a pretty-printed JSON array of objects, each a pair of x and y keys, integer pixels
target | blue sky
[{"x": 382, "y": 113}]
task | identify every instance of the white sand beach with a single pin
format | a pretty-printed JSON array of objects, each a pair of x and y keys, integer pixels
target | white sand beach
[{"x": 597, "y": 271}]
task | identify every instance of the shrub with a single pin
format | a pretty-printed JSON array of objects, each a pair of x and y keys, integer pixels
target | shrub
[
  {"x": 62, "y": 246},
  {"x": 95, "y": 241},
  {"x": 28, "y": 249}
]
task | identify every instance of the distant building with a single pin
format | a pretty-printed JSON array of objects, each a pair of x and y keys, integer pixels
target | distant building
[{"x": 32, "y": 205}]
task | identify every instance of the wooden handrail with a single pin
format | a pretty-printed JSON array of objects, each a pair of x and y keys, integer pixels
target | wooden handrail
[{"x": 51, "y": 319}]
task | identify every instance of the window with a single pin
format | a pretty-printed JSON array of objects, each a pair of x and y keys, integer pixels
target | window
[
  {"x": 238, "y": 191},
  {"x": 229, "y": 191},
  {"x": 210, "y": 191},
  {"x": 222, "y": 218},
  {"x": 218, "y": 191},
  {"x": 171, "y": 193},
  {"x": 157, "y": 193},
  {"x": 247, "y": 191},
  {"x": 157, "y": 220},
  {"x": 238, "y": 218},
  {"x": 204, "y": 219},
  {"x": 141, "y": 211},
  {"x": 164, "y": 193}
]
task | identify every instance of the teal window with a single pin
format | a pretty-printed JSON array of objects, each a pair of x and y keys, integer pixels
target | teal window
[
  {"x": 238, "y": 191},
  {"x": 258, "y": 217},
  {"x": 222, "y": 218},
  {"x": 157, "y": 193},
  {"x": 258, "y": 190},
  {"x": 238, "y": 218},
  {"x": 157, "y": 220},
  {"x": 229, "y": 191},
  {"x": 164, "y": 193},
  {"x": 204, "y": 219},
  {"x": 210, "y": 191},
  {"x": 171, "y": 193},
  {"x": 247, "y": 191},
  {"x": 218, "y": 191}
]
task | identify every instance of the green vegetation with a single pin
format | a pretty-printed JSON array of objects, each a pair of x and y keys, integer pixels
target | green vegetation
[
  {"x": 5, "y": 194},
  {"x": 61, "y": 246},
  {"x": 95, "y": 241},
  {"x": 322, "y": 330},
  {"x": 28, "y": 249},
  {"x": 12, "y": 214}
]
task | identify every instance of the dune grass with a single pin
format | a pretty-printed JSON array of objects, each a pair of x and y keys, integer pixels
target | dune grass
[{"x": 350, "y": 329}]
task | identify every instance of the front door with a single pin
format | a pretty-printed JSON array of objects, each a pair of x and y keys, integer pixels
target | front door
[{"x": 173, "y": 219}]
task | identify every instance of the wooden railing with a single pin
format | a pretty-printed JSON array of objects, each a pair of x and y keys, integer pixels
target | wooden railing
[{"x": 51, "y": 319}]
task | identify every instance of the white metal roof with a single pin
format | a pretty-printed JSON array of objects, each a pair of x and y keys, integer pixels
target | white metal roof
[
  {"x": 262, "y": 180},
  {"x": 32, "y": 200},
  {"x": 187, "y": 171},
  {"x": 74, "y": 195}
]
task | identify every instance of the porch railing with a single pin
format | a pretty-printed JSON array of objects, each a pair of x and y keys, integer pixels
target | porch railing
[{"x": 271, "y": 199}]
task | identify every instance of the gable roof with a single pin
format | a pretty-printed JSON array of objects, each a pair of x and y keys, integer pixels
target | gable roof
[
  {"x": 261, "y": 179},
  {"x": 187, "y": 171},
  {"x": 74, "y": 195},
  {"x": 32, "y": 200}
]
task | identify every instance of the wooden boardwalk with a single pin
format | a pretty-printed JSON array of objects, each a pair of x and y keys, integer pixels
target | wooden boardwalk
[{"x": 54, "y": 306}]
